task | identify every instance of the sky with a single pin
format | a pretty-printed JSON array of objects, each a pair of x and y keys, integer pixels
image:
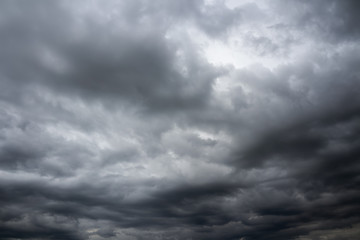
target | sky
[{"x": 182, "y": 119}]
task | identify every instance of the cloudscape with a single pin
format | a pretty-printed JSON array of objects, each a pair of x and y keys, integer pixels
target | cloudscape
[{"x": 181, "y": 119}]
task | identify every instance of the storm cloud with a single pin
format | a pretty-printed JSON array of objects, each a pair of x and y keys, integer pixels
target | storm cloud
[{"x": 179, "y": 120}]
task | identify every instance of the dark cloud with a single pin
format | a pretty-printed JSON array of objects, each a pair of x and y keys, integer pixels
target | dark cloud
[
  {"x": 117, "y": 121},
  {"x": 99, "y": 60},
  {"x": 329, "y": 20}
]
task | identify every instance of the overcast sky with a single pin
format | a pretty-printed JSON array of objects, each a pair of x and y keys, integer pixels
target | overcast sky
[{"x": 181, "y": 119}]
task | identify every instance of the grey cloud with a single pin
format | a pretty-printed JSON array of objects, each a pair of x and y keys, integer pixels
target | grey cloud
[
  {"x": 87, "y": 59},
  {"x": 343, "y": 234},
  {"x": 329, "y": 20},
  {"x": 114, "y": 125},
  {"x": 314, "y": 99},
  {"x": 214, "y": 19}
]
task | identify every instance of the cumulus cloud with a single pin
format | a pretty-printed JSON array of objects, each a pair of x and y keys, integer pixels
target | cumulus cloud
[{"x": 179, "y": 120}]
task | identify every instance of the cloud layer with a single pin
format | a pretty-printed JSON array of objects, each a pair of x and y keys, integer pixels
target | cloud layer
[{"x": 179, "y": 120}]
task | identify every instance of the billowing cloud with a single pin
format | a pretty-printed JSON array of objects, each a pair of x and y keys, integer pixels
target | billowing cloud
[{"x": 179, "y": 120}]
